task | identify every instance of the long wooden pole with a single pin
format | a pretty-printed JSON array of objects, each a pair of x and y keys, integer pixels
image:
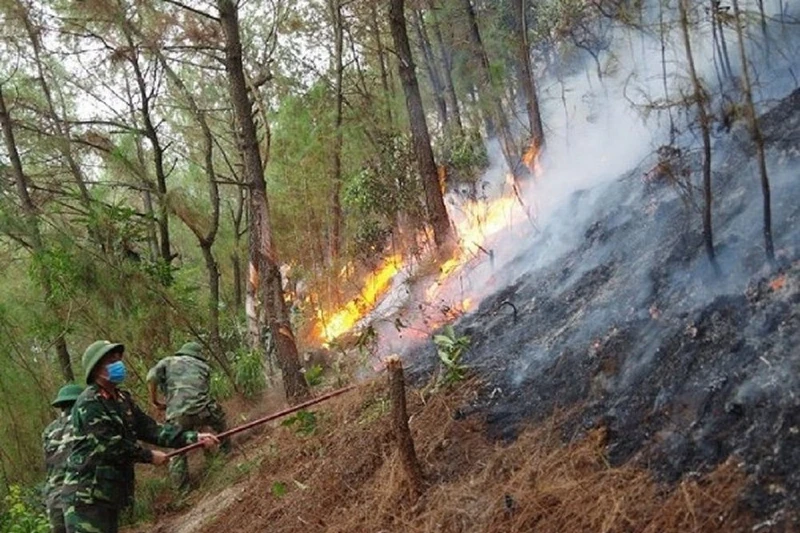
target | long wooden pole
[{"x": 279, "y": 414}]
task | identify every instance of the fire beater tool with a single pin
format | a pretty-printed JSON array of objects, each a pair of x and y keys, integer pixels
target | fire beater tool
[{"x": 264, "y": 420}]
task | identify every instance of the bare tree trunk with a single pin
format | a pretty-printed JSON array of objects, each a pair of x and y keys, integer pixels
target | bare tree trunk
[
  {"x": 447, "y": 64},
  {"x": 662, "y": 34},
  {"x": 726, "y": 61},
  {"x": 764, "y": 33},
  {"x": 151, "y": 133},
  {"x": 263, "y": 257},
  {"x": 237, "y": 215},
  {"x": 430, "y": 67},
  {"x": 437, "y": 214},
  {"x": 376, "y": 36},
  {"x": 528, "y": 82},
  {"x": 61, "y": 129},
  {"x": 31, "y": 216},
  {"x": 205, "y": 239},
  {"x": 152, "y": 238},
  {"x": 147, "y": 186},
  {"x": 336, "y": 163},
  {"x": 758, "y": 138},
  {"x": 402, "y": 433},
  {"x": 699, "y": 98},
  {"x": 492, "y": 103}
]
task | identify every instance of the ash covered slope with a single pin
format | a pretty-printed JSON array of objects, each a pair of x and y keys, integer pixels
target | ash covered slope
[{"x": 621, "y": 317}]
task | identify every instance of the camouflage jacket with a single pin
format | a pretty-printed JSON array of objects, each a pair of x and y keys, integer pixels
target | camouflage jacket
[
  {"x": 56, "y": 444},
  {"x": 106, "y": 428},
  {"x": 184, "y": 380}
]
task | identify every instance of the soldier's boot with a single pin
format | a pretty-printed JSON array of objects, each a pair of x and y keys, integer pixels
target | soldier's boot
[{"x": 179, "y": 473}]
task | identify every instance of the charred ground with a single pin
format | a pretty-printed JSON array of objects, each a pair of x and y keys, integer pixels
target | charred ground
[{"x": 632, "y": 331}]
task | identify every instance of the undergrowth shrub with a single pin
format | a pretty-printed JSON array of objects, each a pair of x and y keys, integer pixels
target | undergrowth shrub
[
  {"x": 248, "y": 371},
  {"x": 220, "y": 386},
  {"x": 450, "y": 348},
  {"x": 23, "y": 512},
  {"x": 304, "y": 423},
  {"x": 313, "y": 375}
]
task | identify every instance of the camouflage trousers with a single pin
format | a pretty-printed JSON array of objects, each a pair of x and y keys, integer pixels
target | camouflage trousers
[
  {"x": 55, "y": 515},
  {"x": 212, "y": 417},
  {"x": 91, "y": 518}
]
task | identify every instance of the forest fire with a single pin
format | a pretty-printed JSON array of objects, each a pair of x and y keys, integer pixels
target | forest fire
[
  {"x": 331, "y": 326},
  {"x": 474, "y": 223},
  {"x": 531, "y": 159}
]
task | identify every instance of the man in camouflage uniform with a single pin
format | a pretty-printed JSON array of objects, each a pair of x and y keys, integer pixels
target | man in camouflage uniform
[
  {"x": 107, "y": 426},
  {"x": 184, "y": 379},
  {"x": 56, "y": 443}
]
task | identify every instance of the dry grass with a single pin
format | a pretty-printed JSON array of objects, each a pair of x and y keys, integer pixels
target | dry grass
[{"x": 348, "y": 478}]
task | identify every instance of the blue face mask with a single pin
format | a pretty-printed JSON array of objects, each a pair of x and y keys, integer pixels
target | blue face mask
[{"x": 116, "y": 372}]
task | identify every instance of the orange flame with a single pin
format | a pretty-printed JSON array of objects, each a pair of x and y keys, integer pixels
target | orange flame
[
  {"x": 531, "y": 158},
  {"x": 480, "y": 221},
  {"x": 475, "y": 223},
  {"x": 332, "y": 326}
]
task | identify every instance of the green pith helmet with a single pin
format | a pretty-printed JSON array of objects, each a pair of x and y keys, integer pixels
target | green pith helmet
[
  {"x": 192, "y": 349},
  {"x": 67, "y": 394},
  {"x": 95, "y": 352}
]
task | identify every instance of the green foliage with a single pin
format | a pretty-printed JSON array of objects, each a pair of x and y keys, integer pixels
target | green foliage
[
  {"x": 248, "y": 371},
  {"x": 467, "y": 157},
  {"x": 313, "y": 375},
  {"x": 278, "y": 489},
  {"x": 450, "y": 348},
  {"x": 220, "y": 386},
  {"x": 370, "y": 237},
  {"x": 373, "y": 410},
  {"x": 385, "y": 186},
  {"x": 304, "y": 422},
  {"x": 149, "y": 492},
  {"x": 22, "y": 515}
]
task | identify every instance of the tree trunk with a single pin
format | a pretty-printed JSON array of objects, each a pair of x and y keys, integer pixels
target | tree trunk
[
  {"x": 431, "y": 68},
  {"x": 726, "y": 61},
  {"x": 447, "y": 64},
  {"x": 335, "y": 244},
  {"x": 699, "y": 98},
  {"x": 376, "y": 36},
  {"x": 237, "y": 215},
  {"x": 527, "y": 80},
  {"x": 437, "y": 214},
  {"x": 402, "y": 433},
  {"x": 262, "y": 251},
  {"x": 491, "y": 102},
  {"x": 662, "y": 34},
  {"x": 31, "y": 216},
  {"x": 60, "y": 127},
  {"x": 205, "y": 239},
  {"x": 158, "y": 150},
  {"x": 758, "y": 139},
  {"x": 237, "y": 281}
]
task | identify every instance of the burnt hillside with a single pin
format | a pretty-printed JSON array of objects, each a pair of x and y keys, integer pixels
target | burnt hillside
[{"x": 621, "y": 320}]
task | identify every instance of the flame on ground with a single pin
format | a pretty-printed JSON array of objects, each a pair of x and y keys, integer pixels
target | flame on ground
[
  {"x": 475, "y": 222},
  {"x": 333, "y": 325}
]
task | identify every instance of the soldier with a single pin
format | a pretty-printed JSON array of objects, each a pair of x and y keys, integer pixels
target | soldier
[
  {"x": 56, "y": 441},
  {"x": 184, "y": 379},
  {"x": 107, "y": 426}
]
